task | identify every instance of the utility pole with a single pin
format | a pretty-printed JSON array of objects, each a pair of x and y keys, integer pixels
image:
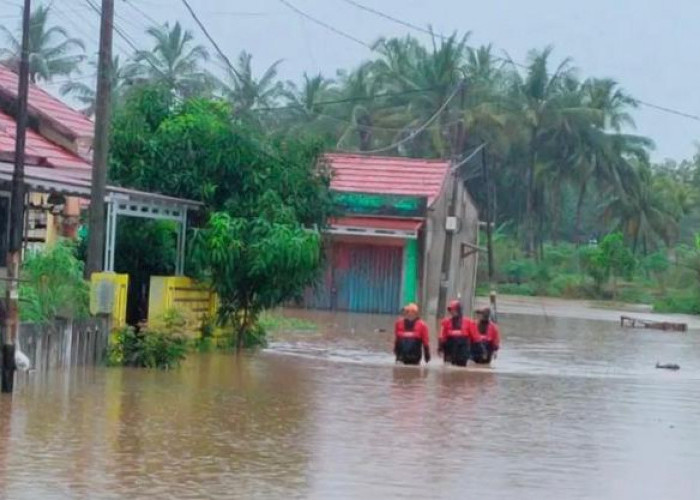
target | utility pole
[
  {"x": 96, "y": 234},
  {"x": 489, "y": 216},
  {"x": 14, "y": 253},
  {"x": 453, "y": 188}
]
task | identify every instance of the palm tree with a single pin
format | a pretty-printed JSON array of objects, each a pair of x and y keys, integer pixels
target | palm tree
[
  {"x": 52, "y": 52},
  {"x": 305, "y": 109},
  {"x": 245, "y": 91},
  {"x": 122, "y": 77},
  {"x": 431, "y": 77},
  {"x": 639, "y": 210},
  {"x": 548, "y": 105},
  {"x": 174, "y": 61},
  {"x": 363, "y": 112}
]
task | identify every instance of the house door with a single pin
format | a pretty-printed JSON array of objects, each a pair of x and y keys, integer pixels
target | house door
[{"x": 367, "y": 278}]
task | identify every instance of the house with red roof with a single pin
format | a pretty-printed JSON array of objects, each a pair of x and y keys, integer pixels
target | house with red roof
[
  {"x": 388, "y": 245},
  {"x": 58, "y": 173}
]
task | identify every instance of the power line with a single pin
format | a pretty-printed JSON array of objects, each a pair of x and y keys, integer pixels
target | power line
[
  {"x": 209, "y": 37},
  {"x": 419, "y": 130},
  {"x": 353, "y": 99},
  {"x": 124, "y": 37},
  {"x": 394, "y": 19},
  {"x": 412, "y": 26},
  {"x": 325, "y": 25},
  {"x": 668, "y": 110}
]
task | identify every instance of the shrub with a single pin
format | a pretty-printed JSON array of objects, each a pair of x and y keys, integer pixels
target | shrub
[
  {"x": 679, "y": 301},
  {"x": 147, "y": 349},
  {"x": 54, "y": 284},
  {"x": 565, "y": 285},
  {"x": 519, "y": 270},
  {"x": 517, "y": 289}
]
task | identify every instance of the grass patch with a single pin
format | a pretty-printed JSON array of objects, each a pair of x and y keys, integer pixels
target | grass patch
[{"x": 275, "y": 322}]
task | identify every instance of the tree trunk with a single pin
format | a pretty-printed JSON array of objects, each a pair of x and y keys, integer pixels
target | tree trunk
[
  {"x": 243, "y": 329},
  {"x": 579, "y": 209},
  {"x": 530, "y": 208},
  {"x": 556, "y": 216},
  {"x": 365, "y": 134}
]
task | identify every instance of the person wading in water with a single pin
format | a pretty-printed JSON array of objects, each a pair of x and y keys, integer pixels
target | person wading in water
[
  {"x": 486, "y": 339},
  {"x": 412, "y": 340},
  {"x": 455, "y": 333}
]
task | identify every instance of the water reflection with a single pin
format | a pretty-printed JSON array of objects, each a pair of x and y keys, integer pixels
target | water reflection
[{"x": 572, "y": 409}]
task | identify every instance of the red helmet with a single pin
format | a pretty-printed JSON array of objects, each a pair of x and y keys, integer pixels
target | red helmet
[{"x": 454, "y": 306}]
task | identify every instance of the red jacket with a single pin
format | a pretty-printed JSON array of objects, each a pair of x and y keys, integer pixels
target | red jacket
[
  {"x": 492, "y": 335},
  {"x": 446, "y": 329},
  {"x": 420, "y": 331}
]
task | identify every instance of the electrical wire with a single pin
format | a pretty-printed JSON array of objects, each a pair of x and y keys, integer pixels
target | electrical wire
[
  {"x": 416, "y": 132},
  {"x": 209, "y": 37},
  {"x": 325, "y": 25},
  {"x": 508, "y": 60}
]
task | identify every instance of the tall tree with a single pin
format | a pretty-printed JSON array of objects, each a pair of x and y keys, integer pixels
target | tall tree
[
  {"x": 174, "y": 62},
  {"x": 246, "y": 92},
  {"x": 52, "y": 51},
  {"x": 546, "y": 108},
  {"x": 306, "y": 111},
  {"x": 123, "y": 77}
]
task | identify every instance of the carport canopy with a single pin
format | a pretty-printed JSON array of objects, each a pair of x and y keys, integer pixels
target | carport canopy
[{"x": 119, "y": 201}]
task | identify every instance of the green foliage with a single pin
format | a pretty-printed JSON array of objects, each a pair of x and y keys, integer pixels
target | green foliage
[
  {"x": 520, "y": 270},
  {"x": 272, "y": 322},
  {"x": 260, "y": 192},
  {"x": 679, "y": 301},
  {"x": 194, "y": 150},
  {"x": 52, "y": 52},
  {"x": 616, "y": 257},
  {"x": 147, "y": 349},
  {"x": 255, "y": 264},
  {"x": 54, "y": 285}
]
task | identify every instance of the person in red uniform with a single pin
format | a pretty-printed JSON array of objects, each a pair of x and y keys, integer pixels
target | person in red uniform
[
  {"x": 412, "y": 340},
  {"x": 485, "y": 337},
  {"x": 455, "y": 333}
]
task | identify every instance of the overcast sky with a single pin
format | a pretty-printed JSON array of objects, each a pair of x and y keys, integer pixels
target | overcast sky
[{"x": 650, "y": 47}]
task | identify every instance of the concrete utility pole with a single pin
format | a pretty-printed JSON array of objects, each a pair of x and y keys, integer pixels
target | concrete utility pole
[
  {"x": 14, "y": 253},
  {"x": 489, "y": 215},
  {"x": 96, "y": 235},
  {"x": 446, "y": 274}
]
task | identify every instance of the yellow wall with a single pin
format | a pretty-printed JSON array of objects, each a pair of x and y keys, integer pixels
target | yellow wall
[
  {"x": 120, "y": 284},
  {"x": 178, "y": 297}
]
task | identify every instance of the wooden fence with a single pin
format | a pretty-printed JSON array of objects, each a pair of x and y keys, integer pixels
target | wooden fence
[{"x": 64, "y": 343}]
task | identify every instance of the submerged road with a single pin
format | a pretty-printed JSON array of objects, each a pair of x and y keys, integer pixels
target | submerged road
[{"x": 572, "y": 409}]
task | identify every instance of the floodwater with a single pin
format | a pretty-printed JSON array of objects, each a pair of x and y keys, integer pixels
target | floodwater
[{"x": 573, "y": 409}]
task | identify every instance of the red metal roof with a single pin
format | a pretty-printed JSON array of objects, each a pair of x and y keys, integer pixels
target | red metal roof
[
  {"x": 41, "y": 151},
  {"x": 388, "y": 175},
  {"x": 378, "y": 223},
  {"x": 43, "y": 103}
]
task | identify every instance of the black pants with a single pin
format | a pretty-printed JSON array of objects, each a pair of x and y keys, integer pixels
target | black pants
[
  {"x": 482, "y": 352},
  {"x": 409, "y": 351},
  {"x": 456, "y": 350}
]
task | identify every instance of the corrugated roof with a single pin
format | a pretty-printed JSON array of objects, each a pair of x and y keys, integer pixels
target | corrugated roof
[
  {"x": 47, "y": 106},
  {"x": 378, "y": 223},
  {"x": 40, "y": 151},
  {"x": 388, "y": 175}
]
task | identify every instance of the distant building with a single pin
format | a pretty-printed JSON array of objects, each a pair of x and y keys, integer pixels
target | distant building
[{"x": 386, "y": 248}]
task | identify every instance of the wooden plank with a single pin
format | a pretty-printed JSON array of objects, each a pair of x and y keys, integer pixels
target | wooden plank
[{"x": 628, "y": 321}]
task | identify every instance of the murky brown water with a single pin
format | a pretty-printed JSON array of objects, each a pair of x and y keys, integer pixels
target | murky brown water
[{"x": 573, "y": 410}]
